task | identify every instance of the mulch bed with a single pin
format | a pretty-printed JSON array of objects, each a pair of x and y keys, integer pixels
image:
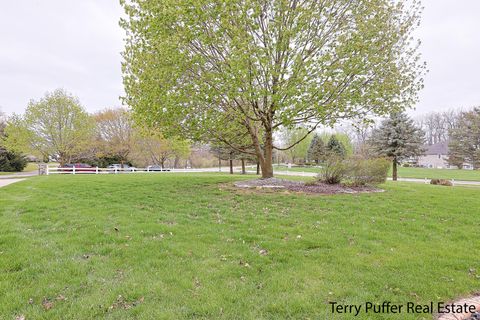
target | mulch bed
[{"x": 300, "y": 186}]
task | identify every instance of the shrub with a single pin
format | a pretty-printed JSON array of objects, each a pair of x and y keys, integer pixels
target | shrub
[
  {"x": 11, "y": 161},
  {"x": 333, "y": 170},
  {"x": 406, "y": 165},
  {"x": 441, "y": 182},
  {"x": 363, "y": 171}
]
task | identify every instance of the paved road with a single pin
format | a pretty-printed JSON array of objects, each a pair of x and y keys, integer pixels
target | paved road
[
  {"x": 19, "y": 175},
  {"x": 6, "y": 182}
]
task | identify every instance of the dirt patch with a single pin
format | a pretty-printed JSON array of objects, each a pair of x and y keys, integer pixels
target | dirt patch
[{"x": 300, "y": 186}]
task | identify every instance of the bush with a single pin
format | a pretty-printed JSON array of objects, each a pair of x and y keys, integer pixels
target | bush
[
  {"x": 441, "y": 182},
  {"x": 363, "y": 171},
  {"x": 11, "y": 161},
  {"x": 406, "y": 165},
  {"x": 333, "y": 170}
]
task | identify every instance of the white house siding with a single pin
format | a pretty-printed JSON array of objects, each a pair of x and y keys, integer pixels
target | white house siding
[{"x": 433, "y": 161}]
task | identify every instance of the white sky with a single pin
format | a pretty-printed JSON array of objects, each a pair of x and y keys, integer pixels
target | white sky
[{"x": 76, "y": 45}]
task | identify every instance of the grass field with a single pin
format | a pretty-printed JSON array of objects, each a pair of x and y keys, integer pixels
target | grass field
[
  {"x": 179, "y": 246},
  {"x": 421, "y": 173}
]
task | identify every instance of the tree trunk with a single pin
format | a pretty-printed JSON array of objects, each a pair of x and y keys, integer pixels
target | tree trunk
[
  {"x": 258, "y": 167},
  {"x": 266, "y": 160},
  {"x": 243, "y": 166},
  {"x": 219, "y": 164},
  {"x": 231, "y": 166},
  {"x": 394, "y": 171}
]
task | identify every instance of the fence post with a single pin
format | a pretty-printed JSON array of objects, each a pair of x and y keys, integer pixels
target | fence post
[
  {"x": 73, "y": 169},
  {"x": 48, "y": 171},
  {"x": 148, "y": 169},
  {"x": 115, "y": 170},
  {"x": 96, "y": 170}
]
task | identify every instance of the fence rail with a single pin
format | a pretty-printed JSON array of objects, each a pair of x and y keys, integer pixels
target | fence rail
[{"x": 96, "y": 170}]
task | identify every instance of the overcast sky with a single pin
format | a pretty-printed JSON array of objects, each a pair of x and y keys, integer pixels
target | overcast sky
[{"x": 76, "y": 45}]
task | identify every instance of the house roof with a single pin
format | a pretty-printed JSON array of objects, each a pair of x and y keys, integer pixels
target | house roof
[{"x": 437, "y": 148}]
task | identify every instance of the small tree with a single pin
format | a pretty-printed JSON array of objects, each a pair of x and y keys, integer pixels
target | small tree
[
  {"x": 398, "y": 138},
  {"x": 335, "y": 147},
  {"x": 317, "y": 150},
  {"x": 464, "y": 143}
]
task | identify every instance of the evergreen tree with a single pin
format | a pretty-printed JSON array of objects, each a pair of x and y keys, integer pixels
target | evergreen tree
[
  {"x": 464, "y": 145},
  {"x": 316, "y": 150},
  {"x": 335, "y": 147},
  {"x": 398, "y": 138},
  {"x": 11, "y": 161}
]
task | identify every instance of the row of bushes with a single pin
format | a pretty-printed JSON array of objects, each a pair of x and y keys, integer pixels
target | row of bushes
[{"x": 355, "y": 171}]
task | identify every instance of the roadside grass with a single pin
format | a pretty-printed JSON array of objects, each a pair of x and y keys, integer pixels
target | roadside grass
[
  {"x": 420, "y": 173},
  {"x": 188, "y": 246}
]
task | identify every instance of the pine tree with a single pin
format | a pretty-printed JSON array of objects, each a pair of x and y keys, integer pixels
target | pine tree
[
  {"x": 335, "y": 147},
  {"x": 398, "y": 138},
  {"x": 464, "y": 145},
  {"x": 316, "y": 151}
]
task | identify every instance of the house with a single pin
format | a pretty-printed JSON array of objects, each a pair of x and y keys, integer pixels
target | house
[{"x": 436, "y": 156}]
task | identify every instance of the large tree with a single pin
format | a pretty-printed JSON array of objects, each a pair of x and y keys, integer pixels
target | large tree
[
  {"x": 398, "y": 138},
  {"x": 205, "y": 68},
  {"x": 114, "y": 129},
  {"x": 464, "y": 143},
  {"x": 56, "y": 125}
]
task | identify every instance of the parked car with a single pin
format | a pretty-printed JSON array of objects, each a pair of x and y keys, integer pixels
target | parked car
[
  {"x": 79, "y": 168},
  {"x": 157, "y": 167},
  {"x": 119, "y": 168}
]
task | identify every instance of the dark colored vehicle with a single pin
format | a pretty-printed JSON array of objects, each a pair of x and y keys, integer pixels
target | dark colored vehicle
[
  {"x": 156, "y": 167},
  {"x": 79, "y": 168}
]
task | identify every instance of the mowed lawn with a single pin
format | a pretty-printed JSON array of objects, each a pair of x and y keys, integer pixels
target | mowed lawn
[
  {"x": 420, "y": 173},
  {"x": 188, "y": 246}
]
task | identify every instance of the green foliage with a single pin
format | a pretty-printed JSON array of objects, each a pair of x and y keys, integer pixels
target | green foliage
[
  {"x": 398, "y": 138},
  {"x": 317, "y": 150},
  {"x": 464, "y": 145},
  {"x": 367, "y": 171},
  {"x": 335, "y": 147},
  {"x": 55, "y": 125},
  {"x": 227, "y": 69},
  {"x": 333, "y": 170},
  {"x": 12, "y": 161},
  {"x": 298, "y": 152}
]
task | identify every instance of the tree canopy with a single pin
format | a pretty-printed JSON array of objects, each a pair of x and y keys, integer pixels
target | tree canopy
[
  {"x": 464, "y": 145},
  {"x": 55, "y": 125},
  {"x": 222, "y": 69}
]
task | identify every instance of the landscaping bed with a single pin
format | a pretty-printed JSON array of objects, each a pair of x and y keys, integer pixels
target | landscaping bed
[{"x": 307, "y": 187}]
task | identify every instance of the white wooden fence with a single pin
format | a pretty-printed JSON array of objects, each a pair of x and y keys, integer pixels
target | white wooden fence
[{"x": 96, "y": 170}]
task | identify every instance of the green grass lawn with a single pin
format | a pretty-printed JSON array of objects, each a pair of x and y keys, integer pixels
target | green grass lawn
[
  {"x": 469, "y": 175},
  {"x": 185, "y": 246},
  {"x": 421, "y": 173}
]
